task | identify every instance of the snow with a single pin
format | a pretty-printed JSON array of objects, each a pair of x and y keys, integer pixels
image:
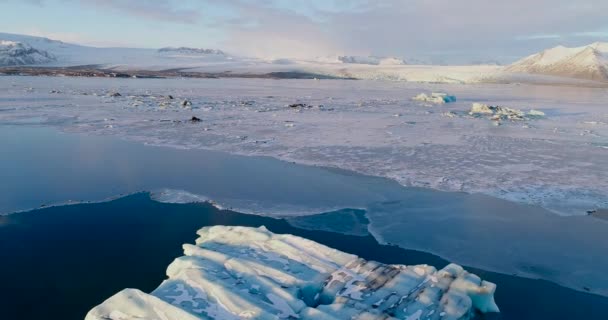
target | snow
[{"x": 234, "y": 273}]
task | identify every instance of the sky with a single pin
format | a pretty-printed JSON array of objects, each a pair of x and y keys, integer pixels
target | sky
[{"x": 438, "y": 31}]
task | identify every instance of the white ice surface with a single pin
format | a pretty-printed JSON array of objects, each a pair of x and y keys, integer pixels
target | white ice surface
[{"x": 247, "y": 273}]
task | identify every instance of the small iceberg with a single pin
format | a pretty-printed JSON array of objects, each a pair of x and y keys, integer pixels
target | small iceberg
[
  {"x": 535, "y": 114},
  {"x": 498, "y": 113},
  {"x": 435, "y": 97}
]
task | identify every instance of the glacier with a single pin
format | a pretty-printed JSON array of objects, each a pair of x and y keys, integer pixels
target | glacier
[{"x": 252, "y": 273}]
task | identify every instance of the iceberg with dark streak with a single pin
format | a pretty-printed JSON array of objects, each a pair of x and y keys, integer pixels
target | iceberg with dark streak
[{"x": 249, "y": 273}]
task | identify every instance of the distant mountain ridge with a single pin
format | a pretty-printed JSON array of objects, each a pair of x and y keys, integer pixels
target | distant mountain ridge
[
  {"x": 587, "y": 65},
  {"x": 191, "y": 51},
  {"x": 65, "y": 54},
  {"x": 587, "y": 62}
]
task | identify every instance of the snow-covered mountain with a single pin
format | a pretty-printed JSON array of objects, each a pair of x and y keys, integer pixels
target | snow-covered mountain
[
  {"x": 14, "y": 53},
  {"x": 587, "y": 62}
]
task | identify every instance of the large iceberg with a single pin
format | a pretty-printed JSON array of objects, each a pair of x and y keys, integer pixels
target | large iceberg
[{"x": 249, "y": 273}]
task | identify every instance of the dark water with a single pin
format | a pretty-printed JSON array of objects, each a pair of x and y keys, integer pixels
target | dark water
[{"x": 59, "y": 262}]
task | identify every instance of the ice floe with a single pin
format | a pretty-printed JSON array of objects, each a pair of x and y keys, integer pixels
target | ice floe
[
  {"x": 248, "y": 273},
  {"x": 177, "y": 196}
]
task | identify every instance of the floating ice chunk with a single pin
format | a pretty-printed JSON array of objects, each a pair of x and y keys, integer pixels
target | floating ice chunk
[
  {"x": 435, "y": 97},
  {"x": 498, "y": 113},
  {"x": 535, "y": 113},
  {"x": 480, "y": 108},
  {"x": 239, "y": 272}
]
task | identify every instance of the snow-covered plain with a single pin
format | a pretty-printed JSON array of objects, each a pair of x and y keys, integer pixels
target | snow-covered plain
[{"x": 247, "y": 273}]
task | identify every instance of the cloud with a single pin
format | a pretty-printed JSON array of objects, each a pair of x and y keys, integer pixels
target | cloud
[
  {"x": 73, "y": 37},
  {"x": 538, "y": 36},
  {"x": 155, "y": 10},
  {"x": 445, "y": 30},
  {"x": 163, "y": 10}
]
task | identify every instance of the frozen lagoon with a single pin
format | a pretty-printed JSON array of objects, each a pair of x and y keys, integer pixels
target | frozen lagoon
[{"x": 41, "y": 166}]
